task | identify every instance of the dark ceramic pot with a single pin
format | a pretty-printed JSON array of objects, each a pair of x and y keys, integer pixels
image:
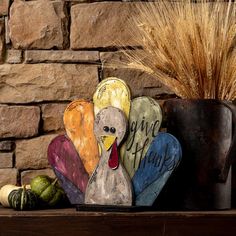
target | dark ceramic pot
[{"x": 206, "y": 131}]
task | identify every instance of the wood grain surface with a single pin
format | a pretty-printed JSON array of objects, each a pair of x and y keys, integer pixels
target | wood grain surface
[{"x": 71, "y": 222}]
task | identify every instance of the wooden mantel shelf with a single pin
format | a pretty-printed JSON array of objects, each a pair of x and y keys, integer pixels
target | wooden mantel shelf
[{"x": 71, "y": 222}]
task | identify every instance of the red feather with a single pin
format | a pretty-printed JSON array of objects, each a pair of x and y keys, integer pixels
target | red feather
[{"x": 63, "y": 156}]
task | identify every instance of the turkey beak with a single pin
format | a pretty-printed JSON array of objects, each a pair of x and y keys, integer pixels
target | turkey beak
[{"x": 108, "y": 141}]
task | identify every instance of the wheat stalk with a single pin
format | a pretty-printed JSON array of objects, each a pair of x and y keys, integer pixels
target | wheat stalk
[{"x": 189, "y": 47}]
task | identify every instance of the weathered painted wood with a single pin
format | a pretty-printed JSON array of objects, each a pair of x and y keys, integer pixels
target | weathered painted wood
[
  {"x": 79, "y": 123},
  {"x": 161, "y": 159},
  {"x": 112, "y": 92},
  {"x": 144, "y": 123},
  {"x": 68, "y": 167},
  {"x": 73, "y": 193},
  {"x": 110, "y": 183}
]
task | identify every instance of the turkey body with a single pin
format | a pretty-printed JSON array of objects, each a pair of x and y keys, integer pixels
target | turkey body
[{"x": 108, "y": 186}]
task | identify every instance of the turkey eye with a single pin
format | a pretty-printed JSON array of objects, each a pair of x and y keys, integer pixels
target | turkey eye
[
  {"x": 112, "y": 130},
  {"x": 106, "y": 128}
]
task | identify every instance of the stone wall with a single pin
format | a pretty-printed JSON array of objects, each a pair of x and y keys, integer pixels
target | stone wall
[{"x": 51, "y": 52}]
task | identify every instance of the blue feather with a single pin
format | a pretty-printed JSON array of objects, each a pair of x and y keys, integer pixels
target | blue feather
[{"x": 162, "y": 157}]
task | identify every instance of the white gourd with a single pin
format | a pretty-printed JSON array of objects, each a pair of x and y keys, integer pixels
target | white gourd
[{"x": 4, "y": 193}]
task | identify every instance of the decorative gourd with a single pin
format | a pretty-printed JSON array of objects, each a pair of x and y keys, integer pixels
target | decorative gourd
[
  {"x": 22, "y": 199},
  {"x": 47, "y": 190},
  {"x": 4, "y": 193}
]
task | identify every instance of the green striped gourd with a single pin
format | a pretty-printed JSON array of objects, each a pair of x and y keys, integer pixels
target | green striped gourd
[{"x": 22, "y": 199}]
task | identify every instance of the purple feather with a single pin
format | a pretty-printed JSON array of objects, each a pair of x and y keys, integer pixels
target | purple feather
[
  {"x": 73, "y": 193},
  {"x": 64, "y": 158}
]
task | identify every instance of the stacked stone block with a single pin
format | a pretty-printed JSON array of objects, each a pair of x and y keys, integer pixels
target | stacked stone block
[{"x": 52, "y": 52}]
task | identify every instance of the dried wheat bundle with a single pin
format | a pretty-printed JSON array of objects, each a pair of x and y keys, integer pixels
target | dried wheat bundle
[{"x": 189, "y": 47}]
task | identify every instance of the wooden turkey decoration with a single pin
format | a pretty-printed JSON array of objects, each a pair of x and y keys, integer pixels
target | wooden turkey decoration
[{"x": 113, "y": 153}]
